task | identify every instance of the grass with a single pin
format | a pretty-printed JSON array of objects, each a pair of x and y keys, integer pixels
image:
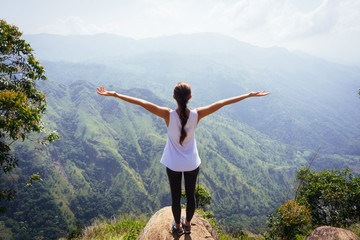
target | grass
[
  {"x": 127, "y": 227},
  {"x": 355, "y": 228},
  {"x": 118, "y": 228}
]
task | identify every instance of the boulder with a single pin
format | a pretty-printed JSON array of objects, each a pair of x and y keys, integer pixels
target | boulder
[
  {"x": 332, "y": 233},
  {"x": 159, "y": 227}
]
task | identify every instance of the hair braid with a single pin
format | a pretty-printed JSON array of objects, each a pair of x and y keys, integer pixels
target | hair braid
[
  {"x": 182, "y": 94},
  {"x": 183, "y": 118}
]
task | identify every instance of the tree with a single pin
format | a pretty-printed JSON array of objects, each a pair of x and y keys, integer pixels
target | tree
[
  {"x": 202, "y": 196},
  {"x": 332, "y": 196},
  {"x": 22, "y": 105}
]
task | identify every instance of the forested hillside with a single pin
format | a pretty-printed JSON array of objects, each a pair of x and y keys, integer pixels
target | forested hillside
[
  {"x": 107, "y": 160},
  {"x": 314, "y": 103}
]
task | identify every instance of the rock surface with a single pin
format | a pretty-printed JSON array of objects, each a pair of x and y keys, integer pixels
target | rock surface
[
  {"x": 159, "y": 227},
  {"x": 332, "y": 233}
]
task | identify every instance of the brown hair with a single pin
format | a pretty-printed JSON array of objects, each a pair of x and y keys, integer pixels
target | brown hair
[{"x": 182, "y": 94}]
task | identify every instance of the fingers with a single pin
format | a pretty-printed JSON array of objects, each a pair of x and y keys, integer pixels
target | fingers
[
  {"x": 260, "y": 94},
  {"x": 101, "y": 89}
]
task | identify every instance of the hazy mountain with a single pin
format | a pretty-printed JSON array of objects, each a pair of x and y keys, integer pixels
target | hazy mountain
[
  {"x": 85, "y": 47},
  {"x": 313, "y": 104}
]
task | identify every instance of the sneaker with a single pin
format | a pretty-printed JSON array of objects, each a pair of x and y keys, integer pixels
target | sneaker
[
  {"x": 187, "y": 228},
  {"x": 178, "y": 230}
]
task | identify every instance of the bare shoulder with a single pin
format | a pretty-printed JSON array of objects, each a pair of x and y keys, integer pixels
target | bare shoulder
[{"x": 165, "y": 111}]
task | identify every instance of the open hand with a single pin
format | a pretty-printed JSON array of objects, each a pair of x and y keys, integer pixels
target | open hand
[
  {"x": 259, "y": 94},
  {"x": 102, "y": 91}
]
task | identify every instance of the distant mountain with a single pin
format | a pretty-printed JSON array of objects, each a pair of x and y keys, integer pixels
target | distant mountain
[
  {"x": 314, "y": 104},
  {"x": 76, "y": 48}
]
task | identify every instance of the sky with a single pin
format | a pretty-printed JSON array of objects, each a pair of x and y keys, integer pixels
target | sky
[{"x": 328, "y": 29}]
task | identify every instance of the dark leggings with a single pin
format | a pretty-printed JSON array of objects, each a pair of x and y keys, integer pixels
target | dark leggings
[{"x": 175, "y": 186}]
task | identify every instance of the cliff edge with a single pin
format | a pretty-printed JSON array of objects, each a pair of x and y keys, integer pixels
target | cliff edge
[{"x": 159, "y": 227}]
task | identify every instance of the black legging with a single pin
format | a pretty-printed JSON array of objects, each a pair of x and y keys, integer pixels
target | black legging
[{"x": 175, "y": 186}]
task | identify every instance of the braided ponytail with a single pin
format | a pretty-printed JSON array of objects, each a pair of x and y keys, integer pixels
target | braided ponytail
[{"x": 182, "y": 94}]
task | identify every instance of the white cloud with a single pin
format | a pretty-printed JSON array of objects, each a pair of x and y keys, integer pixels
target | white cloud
[
  {"x": 303, "y": 25},
  {"x": 263, "y": 22},
  {"x": 273, "y": 20},
  {"x": 71, "y": 25},
  {"x": 349, "y": 17}
]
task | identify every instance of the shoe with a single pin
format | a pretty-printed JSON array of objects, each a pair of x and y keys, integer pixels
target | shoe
[
  {"x": 178, "y": 230},
  {"x": 187, "y": 228}
]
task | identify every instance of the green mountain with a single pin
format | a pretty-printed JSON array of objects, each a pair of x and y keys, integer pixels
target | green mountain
[
  {"x": 314, "y": 103},
  {"x": 107, "y": 161}
]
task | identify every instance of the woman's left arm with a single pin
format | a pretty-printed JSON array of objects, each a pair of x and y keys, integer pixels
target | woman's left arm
[{"x": 162, "y": 112}]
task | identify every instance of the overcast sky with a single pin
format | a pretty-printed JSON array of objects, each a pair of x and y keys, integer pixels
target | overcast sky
[{"x": 325, "y": 28}]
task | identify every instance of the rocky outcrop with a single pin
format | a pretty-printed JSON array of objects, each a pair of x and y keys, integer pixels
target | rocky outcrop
[
  {"x": 159, "y": 227},
  {"x": 332, "y": 233}
]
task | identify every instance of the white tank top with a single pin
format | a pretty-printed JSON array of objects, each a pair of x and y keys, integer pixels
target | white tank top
[{"x": 185, "y": 157}]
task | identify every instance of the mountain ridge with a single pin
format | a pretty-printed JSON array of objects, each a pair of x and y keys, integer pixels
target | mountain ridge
[{"x": 107, "y": 160}]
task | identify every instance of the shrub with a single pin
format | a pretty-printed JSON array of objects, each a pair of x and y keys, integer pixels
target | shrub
[
  {"x": 332, "y": 196},
  {"x": 289, "y": 220},
  {"x": 203, "y": 197}
]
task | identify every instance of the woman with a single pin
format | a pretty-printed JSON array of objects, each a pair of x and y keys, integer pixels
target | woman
[{"x": 180, "y": 153}]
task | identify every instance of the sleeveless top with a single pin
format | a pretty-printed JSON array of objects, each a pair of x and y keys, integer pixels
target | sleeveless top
[{"x": 183, "y": 157}]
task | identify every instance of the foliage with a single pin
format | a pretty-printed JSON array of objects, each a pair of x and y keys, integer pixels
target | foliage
[
  {"x": 332, "y": 196},
  {"x": 289, "y": 220},
  {"x": 76, "y": 233},
  {"x": 122, "y": 227},
  {"x": 331, "y": 126},
  {"x": 202, "y": 196},
  {"x": 21, "y": 104},
  {"x": 222, "y": 234},
  {"x": 355, "y": 228},
  {"x": 108, "y": 161}
]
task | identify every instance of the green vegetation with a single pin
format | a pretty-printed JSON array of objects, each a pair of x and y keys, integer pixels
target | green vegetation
[
  {"x": 332, "y": 196},
  {"x": 123, "y": 228},
  {"x": 301, "y": 110},
  {"x": 129, "y": 228},
  {"x": 289, "y": 221},
  {"x": 221, "y": 231},
  {"x": 355, "y": 228},
  {"x": 22, "y": 105},
  {"x": 202, "y": 196},
  {"x": 108, "y": 161},
  {"x": 326, "y": 198}
]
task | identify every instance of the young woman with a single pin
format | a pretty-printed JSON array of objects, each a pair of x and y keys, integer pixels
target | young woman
[{"x": 180, "y": 154}]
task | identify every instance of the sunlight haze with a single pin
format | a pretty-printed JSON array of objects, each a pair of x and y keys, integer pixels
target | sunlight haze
[{"x": 326, "y": 28}]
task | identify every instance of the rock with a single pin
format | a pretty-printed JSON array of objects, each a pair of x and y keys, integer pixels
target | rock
[
  {"x": 159, "y": 227},
  {"x": 332, "y": 233}
]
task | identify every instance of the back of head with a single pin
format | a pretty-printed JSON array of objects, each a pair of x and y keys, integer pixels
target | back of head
[{"x": 182, "y": 94}]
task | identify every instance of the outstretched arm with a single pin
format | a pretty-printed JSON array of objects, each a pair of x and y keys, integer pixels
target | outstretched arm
[
  {"x": 162, "y": 112},
  {"x": 205, "y": 111}
]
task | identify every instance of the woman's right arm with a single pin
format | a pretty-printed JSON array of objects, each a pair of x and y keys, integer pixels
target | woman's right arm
[
  {"x": 162, "y": 112},
  {"x": 205, "y": 111}
]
